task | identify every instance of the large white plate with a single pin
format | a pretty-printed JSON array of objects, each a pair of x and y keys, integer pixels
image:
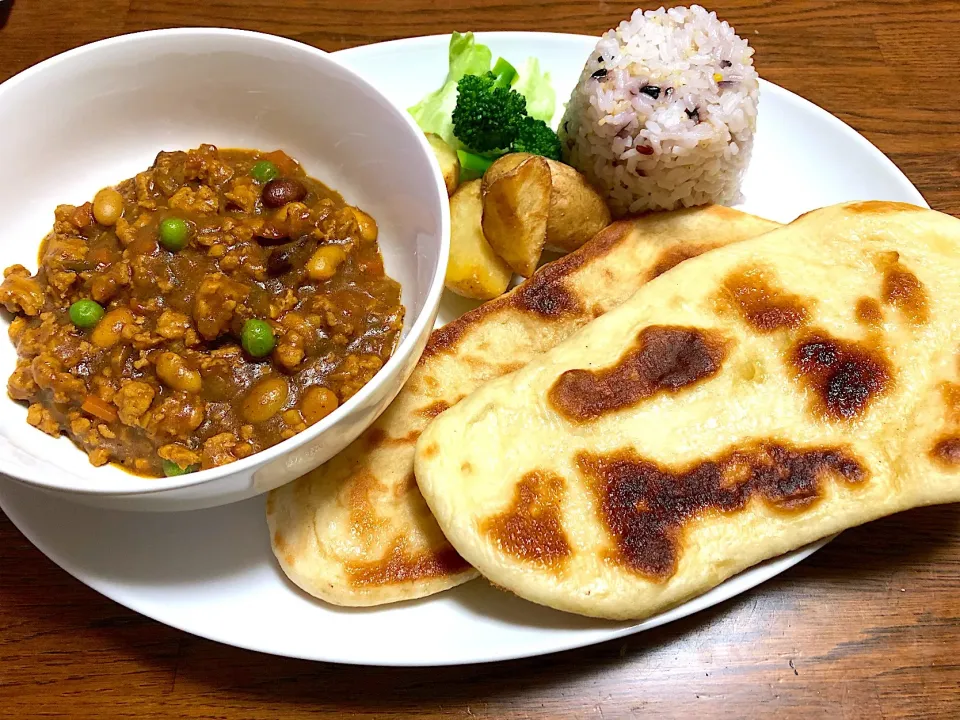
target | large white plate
[{"x": 212, "y": 573}]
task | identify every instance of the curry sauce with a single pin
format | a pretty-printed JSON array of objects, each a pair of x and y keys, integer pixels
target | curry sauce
[{"x": 210, "y": 307}]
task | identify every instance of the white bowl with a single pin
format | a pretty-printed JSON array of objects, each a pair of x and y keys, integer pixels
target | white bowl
[{"x": 99, "y": 114}]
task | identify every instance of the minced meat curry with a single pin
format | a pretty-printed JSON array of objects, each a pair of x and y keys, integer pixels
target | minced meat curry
[{"x": 214, "y": 305}]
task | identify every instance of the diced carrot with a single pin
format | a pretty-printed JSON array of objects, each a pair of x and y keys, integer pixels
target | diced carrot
[
  {"x": 100, "y": 408},
  {"x": 101, "y": 254},
  {"x": 285, "y": 164},
  {"x": 82, "y": 216}
]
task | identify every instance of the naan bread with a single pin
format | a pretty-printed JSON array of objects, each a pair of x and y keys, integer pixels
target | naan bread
[
  {"x": 356, "y": 531},
  {"x": 747, "y": 403}
]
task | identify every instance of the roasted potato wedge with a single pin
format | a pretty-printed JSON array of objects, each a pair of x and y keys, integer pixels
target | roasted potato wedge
[
  {"x": 577, "y": 211},
  {"x": 448, "y": 160},
  {"x": 503, "y": 166},
  {"x": 516, "y": 204},
  {"x": 474, "y": 270}
]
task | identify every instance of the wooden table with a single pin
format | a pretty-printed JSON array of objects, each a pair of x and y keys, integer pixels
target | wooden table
[{"x": 867, "y": 627}]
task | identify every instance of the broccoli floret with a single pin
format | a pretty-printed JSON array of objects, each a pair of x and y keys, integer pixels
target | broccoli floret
[
  {"x": 536, "y": 137},
  {"x": 491, "y": 119},
  {"x": 488, "y": 113}
]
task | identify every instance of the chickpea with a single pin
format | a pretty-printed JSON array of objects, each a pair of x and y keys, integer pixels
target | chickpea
[
  {"x": 107, "y": 206},
  {"x": 173, "y": 325},
  {"x": 323, "y": 264},
  {"x": 265, "y": 399},
  {"x": 107, "y": 332},
  {"x": 366, "y": 224},
  {"x": 173, "y": 370},
  {"x": 317, "y": 402},
  {"x": 295, "y": 321}
]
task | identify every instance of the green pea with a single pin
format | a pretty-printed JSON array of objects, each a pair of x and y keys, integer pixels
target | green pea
[
  {"x": 171, "y": 469},
  {"x": 257, "y": 337},
  {"x": 264, "y": 171},
  {"x": 174, "y": 233},
  {"x": 85, "y": 313}
]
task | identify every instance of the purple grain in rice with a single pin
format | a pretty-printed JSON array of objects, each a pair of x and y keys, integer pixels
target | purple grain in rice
[{"x": 700, "y": 131}]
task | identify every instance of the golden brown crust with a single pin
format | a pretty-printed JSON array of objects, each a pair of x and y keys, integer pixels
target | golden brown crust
[
  {"x": 645, "y": 505},
  {"x": 761, "y": 304},
  {"x": 531, "y": 528},
  {"x": 543, "y": 294},
  {"x": 868, "y": 311},
  {"x": 844, "y": 376},
  {"x": 946, "y": 452},
  {"x": 879, "y": 207},
  {"x": 400, "y": 565},
  {"x": 833, "y": 407},
  {"x": 664, "y": 360},
  {"x": 902, "y": 289},
  {"x": 354, "y": 531}
]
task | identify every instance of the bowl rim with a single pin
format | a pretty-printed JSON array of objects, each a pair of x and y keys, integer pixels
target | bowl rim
[{"x": 148, "y": 486}]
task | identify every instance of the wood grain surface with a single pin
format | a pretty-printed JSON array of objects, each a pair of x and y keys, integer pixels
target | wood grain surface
[{"x": 868, "y": 627}]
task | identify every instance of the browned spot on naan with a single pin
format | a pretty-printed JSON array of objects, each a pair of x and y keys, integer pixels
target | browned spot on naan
[
  {"x": 763, "y": 306},
  {"x": 508, "y": 367},
  {"x": 879, "y": 207},
  {"x": 545, "y": 294},
  {"x": 646, "y": 506},
  {"x": 946, "y": 452},
  {"x": 723, "y": 212},
  {"x": 365, "y": 523},
  {"x": 845, "y": 376},
  {"x": 663, "y": 359},
  {"x": 531, "y": 529},
  {"x": 434, "y": 409},
  {"x": 409, "y": 484},
  {"x": 673, "y": 256},
  {"x": 376, "y": 437},
  {"x": 486, "y": 368},
  {"x": 903, "y": 290},
  {"x": 431, "y": 451},
  {"x": 446, "y": 337},
  {"x": 363, "y": 517},
  {"x": 400, "y": 565},
  {"x": 282, "y": 548},
  {"x": 869, "y": 312},
  {"x": 951, "y": 401}
]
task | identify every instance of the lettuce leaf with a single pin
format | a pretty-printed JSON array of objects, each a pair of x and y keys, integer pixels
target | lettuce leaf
[
  {"x": 467, "y": 57},
  {"x": 535, "y": 86},
  {"x": 433, "y": 112}
]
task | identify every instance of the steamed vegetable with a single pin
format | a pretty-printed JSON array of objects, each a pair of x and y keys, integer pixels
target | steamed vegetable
[
  {"x": 484, "y": 113},
  {"x": 473, "y": 163},
  {"x": 536, "y": 88},
  {"x": 535, "y": 137},
  {"x": 433, "y": 113},
  {"x": 488, "y": 113}
]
